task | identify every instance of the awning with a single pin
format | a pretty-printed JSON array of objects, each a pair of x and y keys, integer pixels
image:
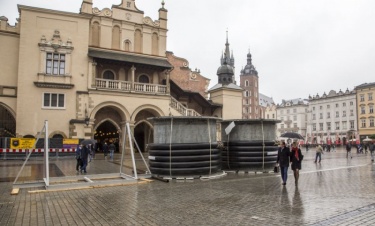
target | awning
[{"x": 127, "y": 57}]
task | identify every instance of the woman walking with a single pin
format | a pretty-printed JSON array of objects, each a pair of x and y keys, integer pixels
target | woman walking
[{"x": 296, "y": 159}]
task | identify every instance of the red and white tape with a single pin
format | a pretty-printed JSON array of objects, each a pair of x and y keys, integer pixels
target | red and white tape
[{"x": 8, "y": 150}]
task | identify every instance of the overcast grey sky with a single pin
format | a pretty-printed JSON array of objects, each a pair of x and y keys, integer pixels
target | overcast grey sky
[{"x": 299, "y": 47}]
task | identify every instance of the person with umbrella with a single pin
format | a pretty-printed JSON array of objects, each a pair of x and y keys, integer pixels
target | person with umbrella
[
  {"x": 84, "y": 156},
  {"x": 283, "y": 156}
]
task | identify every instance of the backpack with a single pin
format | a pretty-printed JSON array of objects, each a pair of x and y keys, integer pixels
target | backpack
[{"x": 78, "y": 152}]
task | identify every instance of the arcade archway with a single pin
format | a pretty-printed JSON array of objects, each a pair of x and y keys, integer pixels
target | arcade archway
[
  {"x": 143, "y": 130},
  {"x": 7, "y": 123}
]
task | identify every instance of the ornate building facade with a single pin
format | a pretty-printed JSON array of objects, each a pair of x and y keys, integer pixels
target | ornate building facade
[
  {"x": 332, "y": 117},
  {"x": 292, "y": 114},
  {"x": 365, "y": 94},
  {"x": 88, "y": 73}
]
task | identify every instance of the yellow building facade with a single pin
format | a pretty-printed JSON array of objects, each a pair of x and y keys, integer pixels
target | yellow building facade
[{"x": 365, "y": 109}]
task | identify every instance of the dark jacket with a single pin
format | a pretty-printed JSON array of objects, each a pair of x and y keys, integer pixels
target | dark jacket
[
  {"x": 78, "y": 152},
  {"x": 112, "y": 147},
  {"x": 348, "y": 147},
  {"x": 85, "y": 152},
  {"x": 283, "y": 156},
  {"x": 372, "y": 147},
  {"x": 293, "y": 156}
]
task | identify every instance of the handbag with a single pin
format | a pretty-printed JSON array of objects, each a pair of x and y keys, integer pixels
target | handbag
[{"x": 276, "y": 169}]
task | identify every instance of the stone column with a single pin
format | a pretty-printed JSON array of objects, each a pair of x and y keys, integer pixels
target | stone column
[
  {"x": 167, "y": 80},
  {"x": 133, "y": 76},
  {"x": 93, "y": 81}
]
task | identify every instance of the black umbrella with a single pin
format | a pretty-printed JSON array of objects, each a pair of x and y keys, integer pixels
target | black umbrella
[
  {"x": 292, "y": 135},
  {"x": 88, "y": 141}
]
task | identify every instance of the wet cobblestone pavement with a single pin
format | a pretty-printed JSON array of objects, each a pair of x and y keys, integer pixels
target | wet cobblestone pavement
[{"x": 338, "y": 191}]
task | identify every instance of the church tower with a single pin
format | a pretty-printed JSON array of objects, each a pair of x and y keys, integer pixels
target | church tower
[
  {"x": 249, "y": 82},
  {"x": 227, "y": 57}
]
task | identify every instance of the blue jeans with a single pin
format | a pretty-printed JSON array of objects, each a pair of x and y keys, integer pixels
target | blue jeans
[
  {"x": 372, "y": 155},
  {"x": 284, "y": 173},
  {"x": 318, "y": 155},
  {"x": 111, "y": 153},
  {"x": 84, "y": 164}
]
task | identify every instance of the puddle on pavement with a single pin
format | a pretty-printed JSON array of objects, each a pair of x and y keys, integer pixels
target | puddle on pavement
[{"x": 30, "y": 172}]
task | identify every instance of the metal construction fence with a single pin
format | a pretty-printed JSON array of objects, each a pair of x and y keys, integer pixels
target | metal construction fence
[{"x": 56, "y": 149}]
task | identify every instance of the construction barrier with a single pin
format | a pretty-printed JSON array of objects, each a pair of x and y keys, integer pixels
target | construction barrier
[{"x": 8, "y": 150}]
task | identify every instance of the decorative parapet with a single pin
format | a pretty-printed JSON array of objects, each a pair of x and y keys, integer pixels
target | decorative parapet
[
  {"x": 147, "y": 20},
  {"x": 4, "y": 25},
  {"x": 106, "y": 12}
]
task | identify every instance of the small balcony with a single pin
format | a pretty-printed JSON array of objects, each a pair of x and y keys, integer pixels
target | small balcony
[{"x": 126, "y": 86}]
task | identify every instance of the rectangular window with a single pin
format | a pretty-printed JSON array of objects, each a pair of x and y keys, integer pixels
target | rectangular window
[
  {"x": 320, "y": 107},
  {"x": 370, "y": 96},
  {"x": 351, "y": 103},
  {"x": 371, "y": 109},
  {"x": 337, "y": 125},
  {"x": 55, "y": 64},
  {"x": 337, "y": 114},
  {"x": 321, "y": 126},
  {"x": 328, "y": 114},
  {"x": 53, "y": 100},
  {"x": 351, "y": 112},
  {"x": 328, "y": 106},
  {"x": 282, "y": 126},
  {"x": 295, "y": 125},
  {"x": 344, "y": 104},
  {"x": 371, "y": 122},
  {"x": 314, "y": 117},
  {"x": 344, "y": 114},
  {"x": 351, "y": 124},
  {"x": 337, "y": 105},
  {"x": 362, "y": 98},
  {"x": 288, "y": 111},
  {"x": 313, "y": 108},
  {"x": 328, "y": 126},
  {"x": 314, "y": 127},
  {"x": 294, "y": 110},
  {"x": 344, "y": 125},
  {"x": 321, "y": 116},
  {"x": 363, "y": 123},
  {"x": 295, "y": 117},
  {"x": 282, "y": 118},
  {"x": 282, "y": 112},
  {"x": 363, "y": 110},
  {"x": 273, "y": 115}
]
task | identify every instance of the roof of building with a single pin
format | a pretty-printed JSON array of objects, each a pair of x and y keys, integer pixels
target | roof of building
[
  {"x": 265, "y": 101},
  {"x": 365, "y": 85},
  {"x": 292, "y": 102},
  {"x": 331, "y": 94},
  {"x": 129, "y": 57},
  {"x": 229, "y": 86}
]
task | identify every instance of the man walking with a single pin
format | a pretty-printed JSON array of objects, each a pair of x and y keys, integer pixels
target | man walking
[
  {"x": 84, "y": 155},
  {"x": 348, "y": 150},
  {"x": 112, "y": 149},
  {"x": 283, "y": 156},
  {"x": 319, "y": 151}
]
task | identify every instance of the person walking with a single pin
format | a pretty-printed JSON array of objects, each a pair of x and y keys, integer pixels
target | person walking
[
  {"x": 319, "y": 151},
  {"x": 112, "y": 149},
  {"x": 307, "y": 146},
  {"x": 283, "y": 156},
  {"x": 84, "y": 156},
  {"x": 105, "y": 149},
  {"x": 372, "y": 150},
  {"x": 296, "y": 160},
  {"x": 78, "y": 157},
  {"x": 348, "y": 150}
]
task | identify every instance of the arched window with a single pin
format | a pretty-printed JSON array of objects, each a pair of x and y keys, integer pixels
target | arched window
[
  {"x": 246, "y": 93},
  {"x": 246, "y": 83},
  {"x": 155, "y": 44},
  {"x": 58, "y": 136},
  {"x": 144, "y": 79},
  {"x": 116, "y": 37},
  {"x": 127, "y": 45},
  {"x": 95, "y": 34},
  {"x": 138, "y": 41},
  {"x": 108, "y": 75}
]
